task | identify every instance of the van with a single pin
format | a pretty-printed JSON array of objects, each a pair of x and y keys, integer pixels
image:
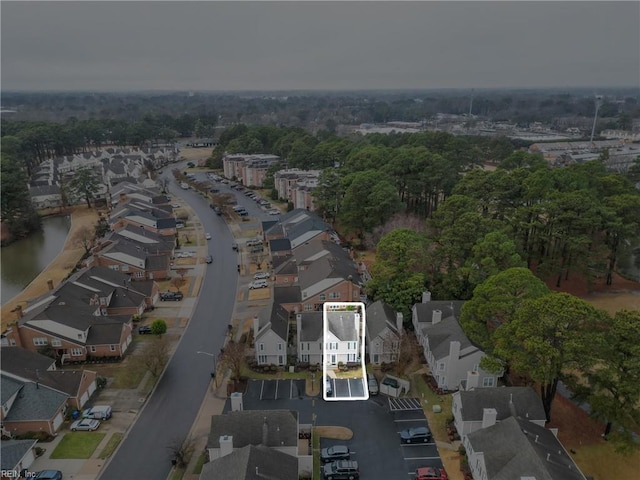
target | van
[
  {"x": 98, "y": 412},
  {"x": 372, "y": 384}
]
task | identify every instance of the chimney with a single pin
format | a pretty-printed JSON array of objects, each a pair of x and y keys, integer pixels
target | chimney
[
  {"x": 50, "y": 284},
  {"x": 236, "y": 402},
  {"x": 436, "y": 316},
  {"x": 399, "y": 322},
  {"x": 473, "y": 380},
  {"x": 298, "y": 326},
  {"x": 489, "y": 416},
  {"x": 265, "y": 432},
  {"x": 256, "y": 326},
  {"x": 426, "y": 296},
  {"x": 226, "y": 445}
]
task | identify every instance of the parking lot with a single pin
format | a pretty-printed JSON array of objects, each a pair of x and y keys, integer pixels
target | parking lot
[
  {"x": 276, "y": 389},
  {"x": 375, "y": 423},
  {"x": 347, "y": 387}
]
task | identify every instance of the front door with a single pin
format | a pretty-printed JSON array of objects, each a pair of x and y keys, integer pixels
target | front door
[{"x": 333, "y": 360}]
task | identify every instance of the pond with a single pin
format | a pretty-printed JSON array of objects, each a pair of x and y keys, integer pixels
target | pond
[{"x": 23, "y": 260}]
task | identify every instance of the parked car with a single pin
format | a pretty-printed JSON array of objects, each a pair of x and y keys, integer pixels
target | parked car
[
  {"x": 144, "y": 330},
  {"x": 258, "y": 284},
  {"x": 372, "y": 383},
  {"x": 48, "y": 475},
  {"x": 99, "y": 412},
  {"x": 243, "y": 213},
  {"x": 259, "y": 249},
  {"x": 274, "y": 211},
  {"x": 207, "y": 236},
  {"x": 171, "y": 296},
  {"x": 261, "y": 275},
  {"x": 337, "y": 452},
  {"x": 209, "y": 259},
  {"x": 217, "y": 210},
  {"x": 253, "y": 242},
  {"x": 176, "y": 205},
  {"x": 328, "y": 387},
  {"x": 234, "y": 247},
  {"x": 85, "y": 424},
  {"x": 431, "y": 473},
  {"x": 415, "y": 435},
  {"x": 341, "y": 470},
  {"x": 191, "y": 165}
]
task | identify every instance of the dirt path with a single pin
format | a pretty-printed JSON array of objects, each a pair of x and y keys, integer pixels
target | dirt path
[{"x": 59, "y": 268}]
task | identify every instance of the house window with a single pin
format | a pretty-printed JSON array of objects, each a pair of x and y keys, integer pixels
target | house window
[
  {"x": 441, "y": 366},
  {"x": 308, "y": 346},
  {"x": 488, "y": 382},
  {"x": 39, "y": 341},
  {"x": 308, "y": 307},
  {"x": 125, "y": 268},
  {"x": 262, "y": 359},
  {"x": 112, "y": 348},
  {"x": 305, "y": 358},
  {"x": 79, "y": 336},
  {"x": 55, "y": 342},
  {"x": 302, "y": 346},
  {"x": 76, "y": 352},
  {"x": 322, "y": 297},
  {"x": 334, "y": 346},
  {"x": 93, "y": 349},
  {"x": 334, "y": 295},
  {"x": 286, "y": 279},
  {"x": 139, "y": 274},
  {"x": 356, "y": 295},
  {"x": 261, "y": 347},
  {"x": 114, "y": 267},
  {"x": 280, "y": 360},
  {"x": 279, "y": 346}
]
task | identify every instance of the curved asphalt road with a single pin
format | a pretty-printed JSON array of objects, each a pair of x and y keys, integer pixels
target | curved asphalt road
[{"x": 172, "y": 409}]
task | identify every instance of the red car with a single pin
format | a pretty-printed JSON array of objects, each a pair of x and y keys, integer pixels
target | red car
[{"x": 431, "y": 473}]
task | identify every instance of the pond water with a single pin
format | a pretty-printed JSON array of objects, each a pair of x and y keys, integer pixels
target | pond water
[{"x": 23, "y": 260}]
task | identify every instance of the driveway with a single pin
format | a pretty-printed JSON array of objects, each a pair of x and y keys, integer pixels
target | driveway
[
  {"x": 348, "y": 388},
  {"x": 276, "y": 389}
]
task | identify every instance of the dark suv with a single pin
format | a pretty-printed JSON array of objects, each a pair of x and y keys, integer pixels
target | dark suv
[
  {"x": 415, "y": 435},
  {"x": 144, "y": 330},
  {"x": 171, "y": 296},
  {"x": 341, "y": 470}
]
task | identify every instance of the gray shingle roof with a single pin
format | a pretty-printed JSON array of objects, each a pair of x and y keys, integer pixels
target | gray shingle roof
[
  {"x": 379, "y": 316},
  {"x": 517, "y": 448},
  {"x": 311, "y": 326},
  {"x": 246, "y": 428},
  {"x": 12, "y": 452},
  {"x": 442, "y": 334},
  {"x": 508, "y": 401},
  {"x": 9, "y": 387},
  {"x": 252, "y": 463},
  {"x": 280, "y": 245},
  {"x": 330, "y": 261},
  {"x": 424, "y": 311},
  {"x": 24, "y": 363},
  {"x": 343, "y": 325},
  {"x": 35, "y": 402},
  {"x": 105, "y": 334},
  {"x": 286, "y": 294},
  {"x": 279, "y": 319}
]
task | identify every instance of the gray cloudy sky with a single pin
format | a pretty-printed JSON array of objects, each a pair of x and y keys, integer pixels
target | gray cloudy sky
[{"x": 323, "y": 45}]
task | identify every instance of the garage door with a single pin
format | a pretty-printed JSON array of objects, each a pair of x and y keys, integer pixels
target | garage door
[
  {"x": 57, "y": 421},
  {"x": 92, "y": 388},
  {"x": 84, "y": 399}
]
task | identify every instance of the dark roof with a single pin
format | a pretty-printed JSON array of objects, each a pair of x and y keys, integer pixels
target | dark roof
[
  {"x": 424, "y": 311},
  {"x": 146, "y": 239},
  {"x": 278, "y": 318},
  {"x": 9, "y": 387},
  {"x": 328, "y": 261},
  {"x": 252, "y": 463},
  {"x": 280, "y": 245},
  {"x": 443, "y": 333},
  {"x": 380, "y": 316},
  {"x": 311, "y": 324},
  {"x": 24, "y": 363},
  {"x": 278, "y": 261},
  {"x": 521, "y": 402},
  {"x": 288, "y": 267},
  {"x": 246, "y": 428},
  {"x": 267, "y": 224},
  {"x": 45, "y": 190},
  {"x": 13, "y": 451},
  {"x": 517, "y": 448},
  {"x": 105, "y": 334},
  {"x": 157, "y": 262},
  {"x": 286, "y": 294},
  {"x": 35, "y": 402},
  {"x": 343, "y": 325}
]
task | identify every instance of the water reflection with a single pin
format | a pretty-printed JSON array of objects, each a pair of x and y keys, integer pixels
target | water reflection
[{"x": 23, "y": 260}]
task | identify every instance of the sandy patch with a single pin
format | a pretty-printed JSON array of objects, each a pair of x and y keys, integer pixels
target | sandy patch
[
  {"x": 196, "y": 153},
  {"x": 337, "y": 433},
  {"x": 259, "y": 294},
  {"x": 612, "y": 302}
]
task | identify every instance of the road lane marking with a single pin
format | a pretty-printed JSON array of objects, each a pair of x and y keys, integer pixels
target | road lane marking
[
  {"x": 276, "y": 396},
  {"x": 261, "y": 389}
]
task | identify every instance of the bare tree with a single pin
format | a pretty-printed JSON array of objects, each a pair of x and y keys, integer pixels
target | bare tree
[
  {"x": 233, "y": 357},
  {"x": 156, "y": 355},
  {"x": 400, "y": 351},
  {"x": 398, "y": 220},
  {"x": 181, "y": 451},
  {"x": 85, "y": 238},
  {"x": 179, "y": 282}
]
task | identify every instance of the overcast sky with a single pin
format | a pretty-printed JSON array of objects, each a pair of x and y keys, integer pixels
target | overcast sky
[{"x": 317, "y": 45}]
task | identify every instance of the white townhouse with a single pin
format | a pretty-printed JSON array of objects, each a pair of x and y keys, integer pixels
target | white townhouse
[{"x": 343, "y": 337}]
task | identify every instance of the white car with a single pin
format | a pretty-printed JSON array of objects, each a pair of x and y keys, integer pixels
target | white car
[
  {"x": 176, "y": 205},
  {"x": 261, "y": 275},
  {"x": 207, "y": 236},
  {"x": 258, "y": 284},
  {"x": 274, "y": 212},
  {"x": 86, "y": 424}
]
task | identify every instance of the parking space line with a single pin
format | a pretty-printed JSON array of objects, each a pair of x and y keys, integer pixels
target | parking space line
[
  {"x": 415, "y": 444},
  {"x": 412, "y": 420},
  {"x": 291, "y": 390},
  {"x": 276, "y": 396},
  {"x": 261, "y": 389},
  {"x": 422, "y": 458},
  {"x": 349, "y": 387}
]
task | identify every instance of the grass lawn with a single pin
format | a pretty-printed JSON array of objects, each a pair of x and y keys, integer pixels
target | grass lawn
[
  {"x": 316, "y": 452},
  {"x": 601, "y": 462},
  {"x": 111, "y": 446},
  {"x": 78, "y": 445},
  {"x": 130, "y": 375},
  {"x": 247, "y": 372},
  {"x": 201, "y": 461},
  {"x": 437, "y": 421}
]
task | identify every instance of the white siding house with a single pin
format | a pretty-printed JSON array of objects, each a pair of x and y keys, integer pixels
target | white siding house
[
  {"x": 271, "y": 333},
  {"x": 384, "y": 328},
  {"x": 342, "y": 338},
  {"x": 309, "y": 328}
]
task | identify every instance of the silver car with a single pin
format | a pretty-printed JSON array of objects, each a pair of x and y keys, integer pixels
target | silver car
[{"x": 86, "y": 424}]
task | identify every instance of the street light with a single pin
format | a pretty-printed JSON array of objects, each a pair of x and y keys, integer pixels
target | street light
[{"x": 215, "y": 366}]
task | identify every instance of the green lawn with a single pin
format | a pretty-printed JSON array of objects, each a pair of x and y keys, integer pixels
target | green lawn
[
  {"x": 316, "y": 452},
  {"x": 78, "y": 445},
  {"x": 201, "y": 461},
  {"x": 247, "y": 372},
  {"x": 111, "y": 446},
  {"x": 130, "y": 374},
  {"x": 437, "y": 421}
]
